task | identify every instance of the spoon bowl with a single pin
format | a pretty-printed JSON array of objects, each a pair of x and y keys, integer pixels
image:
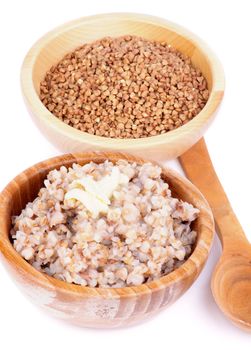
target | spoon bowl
[{"x": 231, "y": 284}]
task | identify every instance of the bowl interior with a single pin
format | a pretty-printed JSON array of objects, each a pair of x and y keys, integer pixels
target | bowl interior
[
  {"x": 25, "y": 187},
  {"x": 67, "y": 38}
]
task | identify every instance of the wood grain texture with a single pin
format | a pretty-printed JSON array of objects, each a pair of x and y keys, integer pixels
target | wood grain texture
[
  {"x": 99, "y": 307},
  {"x": 231, "y": 281},
  {"x": 54, "y": 45}
]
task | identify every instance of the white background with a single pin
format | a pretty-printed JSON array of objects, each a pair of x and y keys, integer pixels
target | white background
[{"x": 194, "y": 321}]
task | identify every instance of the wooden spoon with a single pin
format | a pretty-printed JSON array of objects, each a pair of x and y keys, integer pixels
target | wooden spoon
[{"x": 231, "y": 280}]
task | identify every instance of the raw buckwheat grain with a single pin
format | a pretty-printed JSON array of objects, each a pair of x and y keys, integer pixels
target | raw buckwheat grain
[{"x": 125, "y": 87}]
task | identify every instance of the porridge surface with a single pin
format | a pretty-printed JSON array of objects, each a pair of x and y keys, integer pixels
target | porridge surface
[{"x": 130, "y": 232}]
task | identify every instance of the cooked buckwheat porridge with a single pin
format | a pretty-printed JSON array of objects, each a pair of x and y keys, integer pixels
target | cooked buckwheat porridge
[{"x": 105, "y": 225}]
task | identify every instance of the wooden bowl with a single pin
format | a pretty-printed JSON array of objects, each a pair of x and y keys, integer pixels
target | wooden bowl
[
  {"x": 99, "y": 307},
  {"x": 54, "y": 45}
]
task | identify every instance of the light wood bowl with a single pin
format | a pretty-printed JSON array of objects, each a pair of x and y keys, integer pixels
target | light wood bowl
[
  {"x": 99, "y": 307},
  {"x": 54, "y": 45}
]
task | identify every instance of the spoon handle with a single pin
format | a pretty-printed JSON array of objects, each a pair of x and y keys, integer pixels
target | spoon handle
[{"x": 198, "y": 167}]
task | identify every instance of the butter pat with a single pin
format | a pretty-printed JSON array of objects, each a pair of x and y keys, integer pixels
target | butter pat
[
  {"x": 92, "y": 204},
  {"x": 93, "y": 187},
  {"x": 96, "y": 195}
]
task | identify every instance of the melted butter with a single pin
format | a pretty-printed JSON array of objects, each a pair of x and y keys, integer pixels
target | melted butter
[{"x": 95, "y": 195}]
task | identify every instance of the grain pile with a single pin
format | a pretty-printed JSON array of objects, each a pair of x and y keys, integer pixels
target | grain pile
[
  {"x": 125, "y": 87},
  {"x": 144, "y": 234}
]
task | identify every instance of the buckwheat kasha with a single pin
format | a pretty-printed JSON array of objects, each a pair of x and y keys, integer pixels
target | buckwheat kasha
[{"x": 105, "y": 225}]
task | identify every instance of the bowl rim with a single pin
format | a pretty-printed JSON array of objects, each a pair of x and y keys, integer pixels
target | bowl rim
[
  {"x": 43, "y": 115},
  {"x": 191, "y": 267}
]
